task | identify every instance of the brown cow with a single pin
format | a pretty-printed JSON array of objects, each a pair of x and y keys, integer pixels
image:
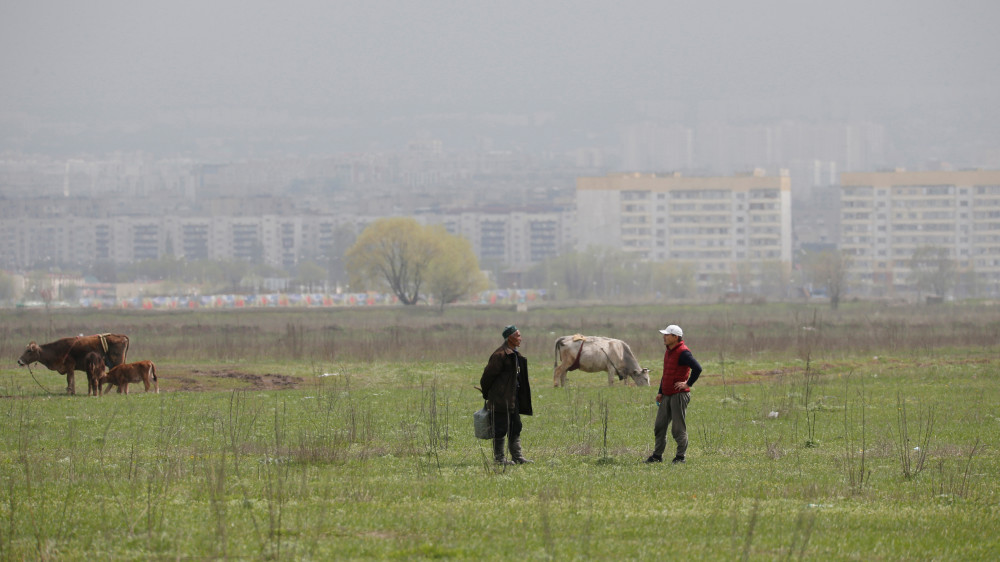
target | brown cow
[
  {"x": 121, "y": 375},
  {"x": 67, "y": 355},
  {"x": 95, "y": 369}
]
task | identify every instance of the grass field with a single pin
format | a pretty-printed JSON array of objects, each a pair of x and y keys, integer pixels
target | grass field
[{"x": 870, "y": 433}]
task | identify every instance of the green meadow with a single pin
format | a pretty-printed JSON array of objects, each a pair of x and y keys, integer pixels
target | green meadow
[{"x": 870, "y": 433}]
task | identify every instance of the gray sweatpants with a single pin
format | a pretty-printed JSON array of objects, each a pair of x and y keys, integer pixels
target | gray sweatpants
[{"x": 672, "y": 411}]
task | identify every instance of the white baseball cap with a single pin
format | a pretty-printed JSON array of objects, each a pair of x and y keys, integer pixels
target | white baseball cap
[{"x": 673, "y": 329}]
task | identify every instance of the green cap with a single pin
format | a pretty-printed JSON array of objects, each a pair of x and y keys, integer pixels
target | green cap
[{"x": 509, "y": 330}]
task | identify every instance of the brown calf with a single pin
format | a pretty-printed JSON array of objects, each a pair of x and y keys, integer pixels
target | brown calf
[
  {"x": 121, "y": 375},
  {"x": 94, "y": 363}
]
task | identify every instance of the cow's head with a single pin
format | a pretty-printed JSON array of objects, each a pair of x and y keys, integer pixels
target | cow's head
[
  {"x": 640, "y": 377},
  {"x": 31, "y": 354}
]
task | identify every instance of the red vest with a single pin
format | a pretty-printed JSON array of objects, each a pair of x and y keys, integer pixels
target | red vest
[{"x": 672, "y": 372}]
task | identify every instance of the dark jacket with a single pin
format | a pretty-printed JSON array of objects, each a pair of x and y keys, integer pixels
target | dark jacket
[{"x": 504, "y": 379}]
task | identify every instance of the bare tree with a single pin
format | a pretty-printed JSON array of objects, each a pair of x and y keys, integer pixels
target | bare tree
[
  {"x": 829, "y": 269},
  {"x": 932, "y": 269}
]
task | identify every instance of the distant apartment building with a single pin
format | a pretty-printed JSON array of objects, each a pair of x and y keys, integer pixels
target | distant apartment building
[
  {"x": 505, "y": 237},
  {"x": 276, "y": 240},
  {"x": 718, "y": 224},
  {"x": 887, "y": 216},
  {"x": 515, "y": 238}
]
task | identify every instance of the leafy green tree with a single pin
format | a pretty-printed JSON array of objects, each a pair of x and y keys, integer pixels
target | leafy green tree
[
  {"x": 396, "y": 252},
  {"x": 454, "y": 272},
  {"x": 933, "y": 270}
]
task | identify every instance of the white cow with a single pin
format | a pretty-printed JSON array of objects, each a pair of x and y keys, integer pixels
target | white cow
[{"x": 593, "y": 354}]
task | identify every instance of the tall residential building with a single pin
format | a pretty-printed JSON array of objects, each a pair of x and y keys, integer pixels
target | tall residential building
[
  {"x": 887, "y": 216},
  {"x": 719, "y": 224}
]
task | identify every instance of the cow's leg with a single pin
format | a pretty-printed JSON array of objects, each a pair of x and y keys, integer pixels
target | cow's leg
[
  {"x": 559, "y": 375},
  {"x": 124, "y": 384},
  {"x": 611, "y": 376},
  {"x": 71, "y": 382}
]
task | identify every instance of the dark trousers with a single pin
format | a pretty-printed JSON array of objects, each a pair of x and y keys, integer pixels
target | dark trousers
[
  {"x": 672, "y": 412},
  {"x": 504, "y": 423}
]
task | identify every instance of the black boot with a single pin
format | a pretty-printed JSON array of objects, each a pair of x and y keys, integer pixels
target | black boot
[
  {"x": 498, "y": 455},
  {"x": 515, "y": 451}
]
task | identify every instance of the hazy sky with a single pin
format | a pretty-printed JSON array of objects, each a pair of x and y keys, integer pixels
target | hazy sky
[{"x": 331, "y": 61}]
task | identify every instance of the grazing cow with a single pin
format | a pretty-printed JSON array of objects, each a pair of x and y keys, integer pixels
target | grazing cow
[
  {"x": 95, "y": 369},
  {"x": 593, "y": 354},
  {"x": 123, "y": 374},
  {"x": 67, "y": 355}
]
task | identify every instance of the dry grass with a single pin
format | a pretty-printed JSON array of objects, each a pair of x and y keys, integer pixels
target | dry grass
[{"x": 425, "y": 334}]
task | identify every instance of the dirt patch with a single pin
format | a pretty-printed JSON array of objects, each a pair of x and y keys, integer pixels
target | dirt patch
[{"x": 197, "y": 380}]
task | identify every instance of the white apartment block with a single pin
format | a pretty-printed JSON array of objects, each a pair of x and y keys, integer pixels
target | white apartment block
[
  {"x": 715, "y": 223},
  {"x": 887, "y": 216}
]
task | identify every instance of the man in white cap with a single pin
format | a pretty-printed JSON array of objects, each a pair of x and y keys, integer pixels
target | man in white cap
[{"x": 680, "y": 371}]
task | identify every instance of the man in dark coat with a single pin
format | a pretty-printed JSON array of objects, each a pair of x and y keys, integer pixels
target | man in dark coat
[{"x": 505, "y": 387}]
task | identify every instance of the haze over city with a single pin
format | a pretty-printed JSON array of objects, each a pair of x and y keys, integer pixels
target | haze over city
[{"x": 250, "y": 79}]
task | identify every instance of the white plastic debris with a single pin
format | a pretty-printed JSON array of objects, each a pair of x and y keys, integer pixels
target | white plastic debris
[
  {"x": 330, "y": 375},
  {"x": 772, "y": 415}
]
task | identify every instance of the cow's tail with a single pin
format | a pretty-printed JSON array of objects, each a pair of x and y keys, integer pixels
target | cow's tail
[
  {"x": 152, "y": 369},
  {"x": 556, "y": 362}
]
